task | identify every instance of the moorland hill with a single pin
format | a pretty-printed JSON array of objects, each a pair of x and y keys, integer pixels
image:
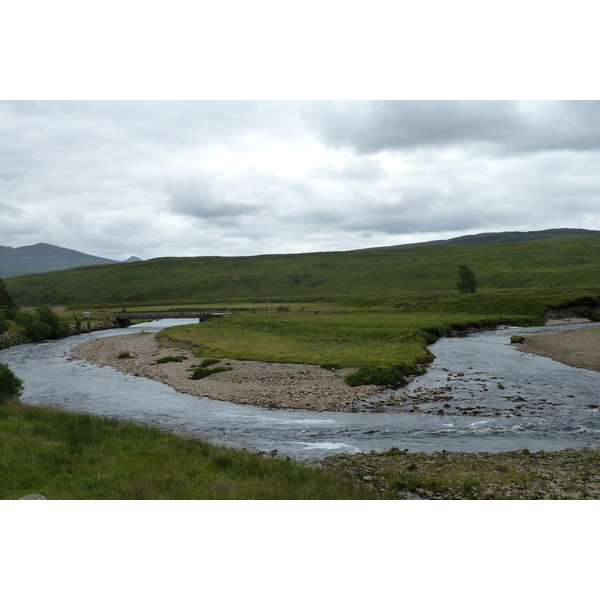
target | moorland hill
[{"x": 571, "y": 261}]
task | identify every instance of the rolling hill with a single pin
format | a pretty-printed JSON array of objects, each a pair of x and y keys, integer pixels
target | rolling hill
[
  {"x": 571, "y": 261},
  {"x": 506, "y": 237}
]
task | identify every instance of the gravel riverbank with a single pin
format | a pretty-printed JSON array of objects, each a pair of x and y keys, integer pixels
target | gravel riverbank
[
  {"x": 576, "y": 347},
  {"x": 309, "y": 387},
  {"x": 272, "y": 385}
]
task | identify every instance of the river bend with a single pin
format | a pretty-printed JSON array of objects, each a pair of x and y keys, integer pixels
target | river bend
[{"x": 558, "y": 404}]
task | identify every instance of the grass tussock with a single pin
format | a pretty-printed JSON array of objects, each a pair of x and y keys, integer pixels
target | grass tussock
[
  {"x": 71, "y": 456},
  {"x": 202, "y": 372},
  {"x": 170, "y": 359}
]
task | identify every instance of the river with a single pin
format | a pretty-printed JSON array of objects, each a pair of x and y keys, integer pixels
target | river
[{"x": 502, "y": 400}]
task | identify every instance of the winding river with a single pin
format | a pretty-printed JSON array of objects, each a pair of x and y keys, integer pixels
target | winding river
[{"x": 502, "y": 400}]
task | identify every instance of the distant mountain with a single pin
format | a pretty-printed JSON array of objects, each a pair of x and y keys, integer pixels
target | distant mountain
[
  {"x": 41, "y": 258},
  {"x": 507, "y": 237}
]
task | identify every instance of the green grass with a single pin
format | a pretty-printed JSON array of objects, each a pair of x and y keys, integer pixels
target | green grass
[
  {"x": 70, "y": 456},
  {"x": 384, "y": 346},
  {"x": 202, "y": 372},
  {"x": 170, "y": 359},
  {"x": 381, "y": 275}
]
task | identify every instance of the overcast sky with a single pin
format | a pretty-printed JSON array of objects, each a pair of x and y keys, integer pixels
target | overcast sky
[{"x": 229, "y": 178}]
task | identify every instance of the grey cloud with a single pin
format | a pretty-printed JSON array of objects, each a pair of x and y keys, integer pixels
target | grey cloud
[
  {"x": 10, "y": 210},
  {"x": 499, "y": 126},
  {"x": 203, "y": 200}
]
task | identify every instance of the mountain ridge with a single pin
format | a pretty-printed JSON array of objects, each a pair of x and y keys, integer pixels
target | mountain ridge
[
  {"x": 505, "y": 237},
  {"x": 43, "y": 257}
]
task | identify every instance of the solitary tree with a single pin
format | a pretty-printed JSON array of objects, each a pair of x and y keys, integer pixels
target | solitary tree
[
  {"x": 7, "y": 305},
  {"x": 466, "y": 280}
]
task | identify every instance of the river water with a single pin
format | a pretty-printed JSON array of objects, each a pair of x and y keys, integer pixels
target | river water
[{"x": 502, "y": 400}]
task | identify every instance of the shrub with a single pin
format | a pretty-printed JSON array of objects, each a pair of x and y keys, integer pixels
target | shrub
[
  {"x": 202, "y": 372},
  {"x": 168, "y": 359},
  {"x": 124, "y": 355},
  {"x": 391, "y": 377},
  {"x": 209, "y": 362},
  {"x": 42, "y": 324},
  {"x": 516, "y": 339},
  {"x": 387, "y": 376},
  {"x": 331, "y": 366},
  {"x": 10, "y": 384}
]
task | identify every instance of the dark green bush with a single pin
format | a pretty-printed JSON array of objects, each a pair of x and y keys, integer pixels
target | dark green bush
[
  {"x": 331, "y": 366},
  {"x": 391, "y": 377},
  {"x": 10, "y": 384},
  {"x": 209, "y": 362},
  {"x": 201, "y": 372},
  {"x": 3, "y": 323},
  {"x": 42, "y": 324},
  {"x": 516, "y": 339},
  {"x": 168, "y": 359},
  {"x": 124, "y": 355}
]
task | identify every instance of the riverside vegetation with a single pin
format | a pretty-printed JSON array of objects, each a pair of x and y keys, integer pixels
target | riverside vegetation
[{"x": 375, "y": 311}]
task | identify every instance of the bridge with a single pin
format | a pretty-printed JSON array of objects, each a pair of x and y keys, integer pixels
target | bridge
[{"x": 124, "y": 317}]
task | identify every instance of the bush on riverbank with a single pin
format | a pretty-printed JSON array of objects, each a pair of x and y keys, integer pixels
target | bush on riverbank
[
  {"x": 71, "y": 456},
  {"x": 42, "y": 324},
  {"x": 202, "y": 372},
  {"x": 10, "y": 384}
]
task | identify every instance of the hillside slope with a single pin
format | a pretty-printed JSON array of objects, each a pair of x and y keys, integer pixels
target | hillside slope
[
  {"x": 547, "y": 263},
  {"x": 40, "y": 258},
  {"x": 506, "y": 237}
]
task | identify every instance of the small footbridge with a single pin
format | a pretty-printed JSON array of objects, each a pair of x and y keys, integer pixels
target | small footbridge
[{"x": 125, "y": 317}]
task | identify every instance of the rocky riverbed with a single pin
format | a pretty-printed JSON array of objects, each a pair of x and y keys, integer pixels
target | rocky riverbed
[{"x": 518, "y": 475}]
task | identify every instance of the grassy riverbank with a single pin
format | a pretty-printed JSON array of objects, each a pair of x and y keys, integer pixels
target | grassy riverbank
[
  {"x": 70, "y": 456},
  {"x": 385, "y": 346}
]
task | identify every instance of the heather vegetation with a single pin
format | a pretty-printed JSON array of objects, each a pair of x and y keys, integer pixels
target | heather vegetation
[{"x": 382, "y": 276}]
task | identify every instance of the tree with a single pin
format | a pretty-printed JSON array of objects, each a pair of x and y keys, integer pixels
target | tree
[
  {"x": 7, "y": 304},
  {"x": 3, "y": 323},
  {"x": 42, "y": 324},
  {"x": 466, "y": 280}
]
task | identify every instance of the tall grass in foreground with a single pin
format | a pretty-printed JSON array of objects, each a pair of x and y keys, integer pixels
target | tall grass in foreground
[{"x": 71, "y": 456}]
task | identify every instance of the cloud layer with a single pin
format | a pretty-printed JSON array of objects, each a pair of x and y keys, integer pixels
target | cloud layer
[{"x": 241, "y": 178}]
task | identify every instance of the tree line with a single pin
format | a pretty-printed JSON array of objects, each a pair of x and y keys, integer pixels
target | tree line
[{"x": 39, "y": 324}]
